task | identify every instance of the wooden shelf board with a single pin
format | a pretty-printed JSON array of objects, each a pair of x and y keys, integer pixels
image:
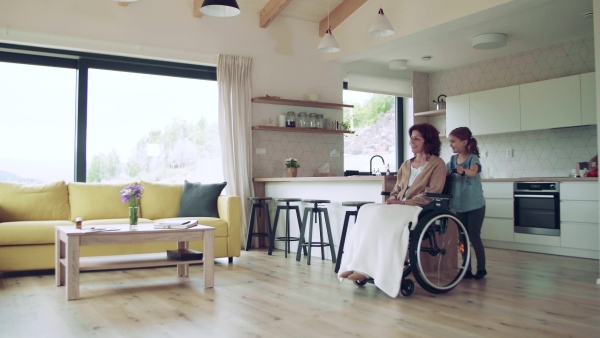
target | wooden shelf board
[
  {"x": 301, "y": 130},
  {"x": 128, "y": 261},
  {"x": 431, "y": 113},
  {"x": 301, "y": 103}
]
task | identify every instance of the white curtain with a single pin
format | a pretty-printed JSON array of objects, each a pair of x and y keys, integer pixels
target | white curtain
[{"x": 235, "y": 126}]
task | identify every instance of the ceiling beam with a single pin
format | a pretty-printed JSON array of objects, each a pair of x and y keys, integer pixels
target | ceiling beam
[
  {"x": 339, "y": 14},
  {"x": 271, "y": 10},
  {"x": 197, "y": 5}
]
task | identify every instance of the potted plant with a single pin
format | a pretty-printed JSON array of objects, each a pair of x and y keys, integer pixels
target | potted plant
[{"x": 291, "y": 167}]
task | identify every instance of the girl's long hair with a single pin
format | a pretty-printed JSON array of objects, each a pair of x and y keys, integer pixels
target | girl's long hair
[{"x": 464, "y": 133}]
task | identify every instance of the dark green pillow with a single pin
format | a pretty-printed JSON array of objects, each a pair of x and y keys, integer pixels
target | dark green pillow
[{"x": 200, "y": 200}]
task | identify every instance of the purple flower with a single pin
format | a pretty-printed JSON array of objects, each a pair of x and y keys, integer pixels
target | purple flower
[{"x": 132, "y": 194}]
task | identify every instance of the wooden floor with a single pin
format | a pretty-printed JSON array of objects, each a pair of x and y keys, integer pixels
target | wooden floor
[{"x": 524, "y": 295}]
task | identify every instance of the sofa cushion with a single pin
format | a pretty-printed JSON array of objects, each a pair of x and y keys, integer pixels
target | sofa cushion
[
  {"x": 29, "y": 232},
  {"x": 200, "y": 200},
  {"x": 97, "y": 201},
  {"x": 160, "y": 200},
  {"x": 19, "y": 202}
]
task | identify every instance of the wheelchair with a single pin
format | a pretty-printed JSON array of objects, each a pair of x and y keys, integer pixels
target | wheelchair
[{"x": 438, "y": 247}]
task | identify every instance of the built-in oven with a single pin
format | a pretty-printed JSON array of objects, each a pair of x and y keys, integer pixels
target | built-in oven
[{"x": 537, "y": 208}]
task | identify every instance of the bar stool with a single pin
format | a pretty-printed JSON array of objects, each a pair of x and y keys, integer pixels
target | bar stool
[
  {"x": 315, "y": 213},
  {"x": 260, "y": 204},
  {"x": 349, "y": 213},
  {"x": 287, "y": 239}
]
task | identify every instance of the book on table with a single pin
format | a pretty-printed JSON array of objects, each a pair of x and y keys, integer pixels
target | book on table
[{"x": 175, "y": 224}]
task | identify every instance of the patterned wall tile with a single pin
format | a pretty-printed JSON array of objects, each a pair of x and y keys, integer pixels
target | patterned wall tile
[
  {"x": 537, "y": 153},
  {"x": 312, "y": 150}
]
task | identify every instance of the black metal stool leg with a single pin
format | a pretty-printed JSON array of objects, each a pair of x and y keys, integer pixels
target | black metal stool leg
[
  {"x": 343, "y": 239},
  {"x": 328, "y": 225},
  {"x": 297, "y": 208},
  {"x": 272, "y": 241},
  {"x": 268, "y": 223},
  {"x": 250, "y": 226},
  {"x": 301, "y": 238},
  {"x": 319, "y": 213},
  {"x": 309, "y": 242},
  {"x": 287, "y": 228}
]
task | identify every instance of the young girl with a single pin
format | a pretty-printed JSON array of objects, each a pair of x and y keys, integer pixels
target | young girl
[{"x": 467, "y": 195}]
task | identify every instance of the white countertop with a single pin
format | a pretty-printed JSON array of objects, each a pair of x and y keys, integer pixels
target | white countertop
[{"x": 393, "y": 178}]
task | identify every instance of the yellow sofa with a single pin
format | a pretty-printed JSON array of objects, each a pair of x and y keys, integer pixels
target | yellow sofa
[{"x": 28, "y": 215}]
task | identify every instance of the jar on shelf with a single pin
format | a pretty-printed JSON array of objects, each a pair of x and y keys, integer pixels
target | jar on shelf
[
  {"x": 302, "y": 120},
  {"x": 290, "y": 121},
  {"x": 312, "y": 120},
  {"x": 320, "y": 122}
]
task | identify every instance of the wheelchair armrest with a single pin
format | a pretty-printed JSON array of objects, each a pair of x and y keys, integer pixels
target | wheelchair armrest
[
  {"x": 385, "y": 193},
  {"x": 438, "y": 196}
]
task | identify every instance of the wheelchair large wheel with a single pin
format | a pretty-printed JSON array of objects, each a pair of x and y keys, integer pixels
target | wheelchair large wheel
[{"x": 439, "y": 252}]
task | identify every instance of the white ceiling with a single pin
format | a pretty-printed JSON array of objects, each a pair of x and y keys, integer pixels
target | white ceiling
[{"x": 529, "y": 24}]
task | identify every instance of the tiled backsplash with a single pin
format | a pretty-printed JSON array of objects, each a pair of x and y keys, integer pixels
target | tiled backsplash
[
  {"x": 547, "y": 153},
  {"x": 311, "y": 149}
]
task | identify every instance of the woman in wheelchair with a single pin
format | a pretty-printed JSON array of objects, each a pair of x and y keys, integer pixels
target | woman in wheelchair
[{"x": 415, "y": 213}]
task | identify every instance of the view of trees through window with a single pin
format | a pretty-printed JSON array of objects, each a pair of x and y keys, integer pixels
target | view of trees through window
[
  {"x": 373, "y": 119},
  {"x": 37, "y": 132},
  {"x": 153, "y": 128}
]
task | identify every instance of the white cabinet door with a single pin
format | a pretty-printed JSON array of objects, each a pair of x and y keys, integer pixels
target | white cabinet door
[
  {"x": 498, "y": 229},
  {"x": 579, "y": 236},
  {"x": 495, "y": 111},
  {"x": 588, "y": 98},
  {"x": 497, "y": 190},
  {"x": 579, "y": 191},
  {"x": 553, "y": 103},
  {"x": 457, "y": 112}
]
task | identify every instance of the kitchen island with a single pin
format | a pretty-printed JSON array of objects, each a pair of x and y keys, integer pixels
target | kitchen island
[{"x": 337, "y": 189}]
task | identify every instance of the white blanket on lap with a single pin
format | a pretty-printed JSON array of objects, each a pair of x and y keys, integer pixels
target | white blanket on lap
[{"x": 377, "y": 243}]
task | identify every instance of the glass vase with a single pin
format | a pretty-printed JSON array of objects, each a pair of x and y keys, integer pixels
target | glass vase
[{"x": 134, "y": 214}]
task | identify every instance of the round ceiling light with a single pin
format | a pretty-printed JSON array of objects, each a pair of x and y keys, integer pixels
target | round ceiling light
[
  {"x": 398, "y": 65},
  {"x": 489, "y": 41}
]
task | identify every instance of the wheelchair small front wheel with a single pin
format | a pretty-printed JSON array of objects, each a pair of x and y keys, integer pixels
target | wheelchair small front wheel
[
  {"x": 439, "y": 252},
  {"x": 360, "y": 282},
  {"x": 407, "y": 287}
]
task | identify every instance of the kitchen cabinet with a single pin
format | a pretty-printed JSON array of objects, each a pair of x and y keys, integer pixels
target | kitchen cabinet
[
  {"x": 498, "y": 224},
  {"x": 549, "y": 104},
  {"x": 579, "y": 217},
  {"x": 588, "y": 99},
  {"x": 495, "y": 111},
  {"x": 457, "y": 112}
]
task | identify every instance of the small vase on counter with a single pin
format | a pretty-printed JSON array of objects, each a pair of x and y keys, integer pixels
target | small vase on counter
[{"x": 291, "y": 172}]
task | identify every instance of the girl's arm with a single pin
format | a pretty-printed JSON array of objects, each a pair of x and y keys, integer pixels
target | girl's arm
[{"x": 471, "y": 172}]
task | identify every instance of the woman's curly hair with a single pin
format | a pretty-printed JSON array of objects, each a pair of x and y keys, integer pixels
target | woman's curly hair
[{"x": 431, "y": 136}]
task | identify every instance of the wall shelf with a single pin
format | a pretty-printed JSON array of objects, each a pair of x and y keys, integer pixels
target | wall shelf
[
  {"x": 431, "y": 113},
  {"x": 301, "y": 103},
  {"x": 301, "y": 130}
]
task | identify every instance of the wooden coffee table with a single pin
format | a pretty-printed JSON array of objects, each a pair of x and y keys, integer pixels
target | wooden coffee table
[{"x": 69, "y": 240}]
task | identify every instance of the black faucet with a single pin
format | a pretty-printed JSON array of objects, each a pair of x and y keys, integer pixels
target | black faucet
[{"x": 371, "y": 163}]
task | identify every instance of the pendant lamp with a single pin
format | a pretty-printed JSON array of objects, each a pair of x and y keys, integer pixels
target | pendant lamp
[
  {"x": 328, "y": 43},
  {"x": 220, "y": 8},
  {"x": 381, "y": 26}
]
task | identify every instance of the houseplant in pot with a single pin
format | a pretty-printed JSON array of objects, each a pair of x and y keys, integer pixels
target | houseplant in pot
[{"x": 291, "y": 167}]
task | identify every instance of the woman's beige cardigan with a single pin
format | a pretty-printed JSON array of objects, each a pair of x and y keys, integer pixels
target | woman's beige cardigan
[{"x": 431, "y": 179}]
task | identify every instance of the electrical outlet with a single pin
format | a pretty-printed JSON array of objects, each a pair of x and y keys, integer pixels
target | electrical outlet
[
  {"x": 261, "y": 151},
  {"x": 484, "y": 154},
  {"x": 334, "y": 153},
  {"x": 509, "y": 153}
]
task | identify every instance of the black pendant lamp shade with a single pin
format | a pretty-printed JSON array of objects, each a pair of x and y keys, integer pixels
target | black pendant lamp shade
[{"x": 220, "y": 8}]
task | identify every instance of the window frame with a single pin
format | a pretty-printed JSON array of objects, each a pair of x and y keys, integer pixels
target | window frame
[{"x": 82, "y": 62}]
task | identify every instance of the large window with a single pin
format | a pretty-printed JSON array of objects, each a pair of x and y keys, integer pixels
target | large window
[
  {"x": 152, "y": 128},
  {"x": 37, "y": 123},
  {"x": 76, "y": 116},
  {"x": 373, "y": 119}
]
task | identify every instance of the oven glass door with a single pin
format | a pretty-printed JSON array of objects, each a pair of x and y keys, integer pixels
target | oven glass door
[{"x": 534, "y": 212}]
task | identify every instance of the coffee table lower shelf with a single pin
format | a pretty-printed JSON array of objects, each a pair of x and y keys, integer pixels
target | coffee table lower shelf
[{"x": 149, "y": 260}]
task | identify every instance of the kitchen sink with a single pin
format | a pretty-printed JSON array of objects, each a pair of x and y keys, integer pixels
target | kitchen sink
[{"x": 357, "y": 173}]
